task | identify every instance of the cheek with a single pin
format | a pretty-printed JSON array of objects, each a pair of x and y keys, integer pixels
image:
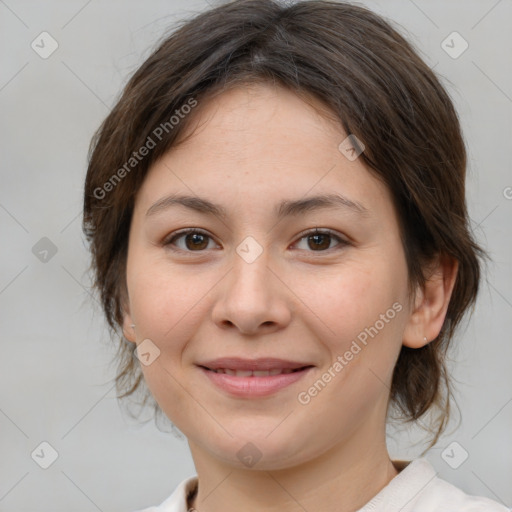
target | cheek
[
  {"x": 165, "y": 300},
  {"x": 358, "y": 319},
  {"x": 167, "y": 305},
  {"x": 348, "y": 298},
  {"x": 357, "y": 312}
]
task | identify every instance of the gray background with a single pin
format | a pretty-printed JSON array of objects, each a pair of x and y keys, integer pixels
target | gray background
[{"x": 56, "y": 371}]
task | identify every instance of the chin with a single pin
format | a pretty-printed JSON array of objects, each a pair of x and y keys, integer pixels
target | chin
[{"x": 261, "y": 447}]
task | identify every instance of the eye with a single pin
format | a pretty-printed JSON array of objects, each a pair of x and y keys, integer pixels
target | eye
[
  {"x": 195, "y": 240},
  {"x": 320, "y": 240}
]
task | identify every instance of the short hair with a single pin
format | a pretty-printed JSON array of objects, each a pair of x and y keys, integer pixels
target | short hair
[{"x": 371, "y": 80}]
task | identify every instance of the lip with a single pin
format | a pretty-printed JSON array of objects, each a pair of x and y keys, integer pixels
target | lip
[
  {"x": 253, "y": 386},
  {"x": 265, "y": 363}
]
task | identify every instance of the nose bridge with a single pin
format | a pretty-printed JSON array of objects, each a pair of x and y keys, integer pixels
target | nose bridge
[
  {"x": 251, "y": 258},
  {"x": 251, "y": 263},
  {"x": 251, "y": 296},
  {"x": 251, "y": 281}
]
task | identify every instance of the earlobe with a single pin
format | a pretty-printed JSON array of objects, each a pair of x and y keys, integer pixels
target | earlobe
[
  {"x": 128, "y": 326},
  {"x": 431, "y": 305},
  {"x": 128, "y": 323}
]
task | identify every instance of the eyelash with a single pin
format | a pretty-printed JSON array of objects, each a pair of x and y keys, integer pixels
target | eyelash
[{"x": 168, "y": 242}]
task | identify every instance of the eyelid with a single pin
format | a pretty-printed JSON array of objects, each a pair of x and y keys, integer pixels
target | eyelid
[{"x": 320, "y": 231}]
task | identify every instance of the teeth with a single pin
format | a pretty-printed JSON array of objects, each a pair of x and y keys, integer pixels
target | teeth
[
  {"x": 242, "y": 373},
  {"x": 255, "y": 373}
]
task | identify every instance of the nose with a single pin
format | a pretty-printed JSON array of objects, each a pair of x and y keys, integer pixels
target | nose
[{"x": 252, "y": 298}]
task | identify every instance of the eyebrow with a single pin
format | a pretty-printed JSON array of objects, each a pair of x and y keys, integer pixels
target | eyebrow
[{"x": 284, "y": 209}]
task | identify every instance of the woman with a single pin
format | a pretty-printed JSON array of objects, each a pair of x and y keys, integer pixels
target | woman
[{"x": 277, "y": 216}]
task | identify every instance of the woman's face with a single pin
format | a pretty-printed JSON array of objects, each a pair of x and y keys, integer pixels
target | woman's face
[{"x": 256, "y": 282}]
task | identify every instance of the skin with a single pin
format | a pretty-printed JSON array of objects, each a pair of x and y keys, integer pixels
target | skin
[{"x": 301, "y": 299}]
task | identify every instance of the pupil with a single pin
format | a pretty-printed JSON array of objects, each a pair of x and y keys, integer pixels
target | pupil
[
  {"x": 196, "y": 238},
  {"x": 317, "y": 237}
]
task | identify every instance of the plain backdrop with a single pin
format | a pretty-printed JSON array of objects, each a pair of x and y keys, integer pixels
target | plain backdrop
[{"x": 55, "y": 365}]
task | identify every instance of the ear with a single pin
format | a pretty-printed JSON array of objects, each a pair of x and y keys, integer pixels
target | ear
[
  {"x": 128, "y": 329},
  {"x": 431, "y": 303}
]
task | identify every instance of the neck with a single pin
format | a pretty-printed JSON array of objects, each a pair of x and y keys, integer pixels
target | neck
[{"x": 343, "y": 479}]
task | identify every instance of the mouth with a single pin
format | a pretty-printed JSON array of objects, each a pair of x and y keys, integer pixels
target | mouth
[
  {"x": 253, "y": 378},
  {"x": 256, "y": 373}
]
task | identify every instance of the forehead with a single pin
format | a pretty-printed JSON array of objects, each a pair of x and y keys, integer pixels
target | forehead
[
  {"x": 256, "y": 113},
  {"x": 260, "y": 142}
]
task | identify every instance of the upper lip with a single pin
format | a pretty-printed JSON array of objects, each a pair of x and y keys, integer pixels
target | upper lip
[{"x": 266, "y": 363}]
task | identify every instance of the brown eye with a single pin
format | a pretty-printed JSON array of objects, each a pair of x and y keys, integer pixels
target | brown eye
[
  {"x": 320, "y": 240},
  {"x": 194, "y": 240}
]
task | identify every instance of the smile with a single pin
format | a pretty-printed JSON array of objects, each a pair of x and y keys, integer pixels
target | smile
[
  {"x": 254, "y": 373},
  {"x": 253, "y": 383}
]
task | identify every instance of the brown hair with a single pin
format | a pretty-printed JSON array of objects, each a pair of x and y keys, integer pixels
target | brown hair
[{"x": 371, "y": 80}]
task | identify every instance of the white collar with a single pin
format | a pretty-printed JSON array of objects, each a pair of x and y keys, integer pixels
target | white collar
[{"x": 413, "y": 477}]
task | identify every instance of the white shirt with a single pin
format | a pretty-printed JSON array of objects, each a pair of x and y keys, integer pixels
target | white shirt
[{"x": 415, "y": 489}]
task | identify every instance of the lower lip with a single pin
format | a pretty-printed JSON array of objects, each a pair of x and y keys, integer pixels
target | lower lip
[{"x": 254, "y": 386}]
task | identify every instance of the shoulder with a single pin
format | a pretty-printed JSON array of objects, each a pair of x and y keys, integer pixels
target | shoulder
[
  {"x": 419, "y": 488},
  {"x": 177, "y": 501},
  {"x": 443, "y": 496}
]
